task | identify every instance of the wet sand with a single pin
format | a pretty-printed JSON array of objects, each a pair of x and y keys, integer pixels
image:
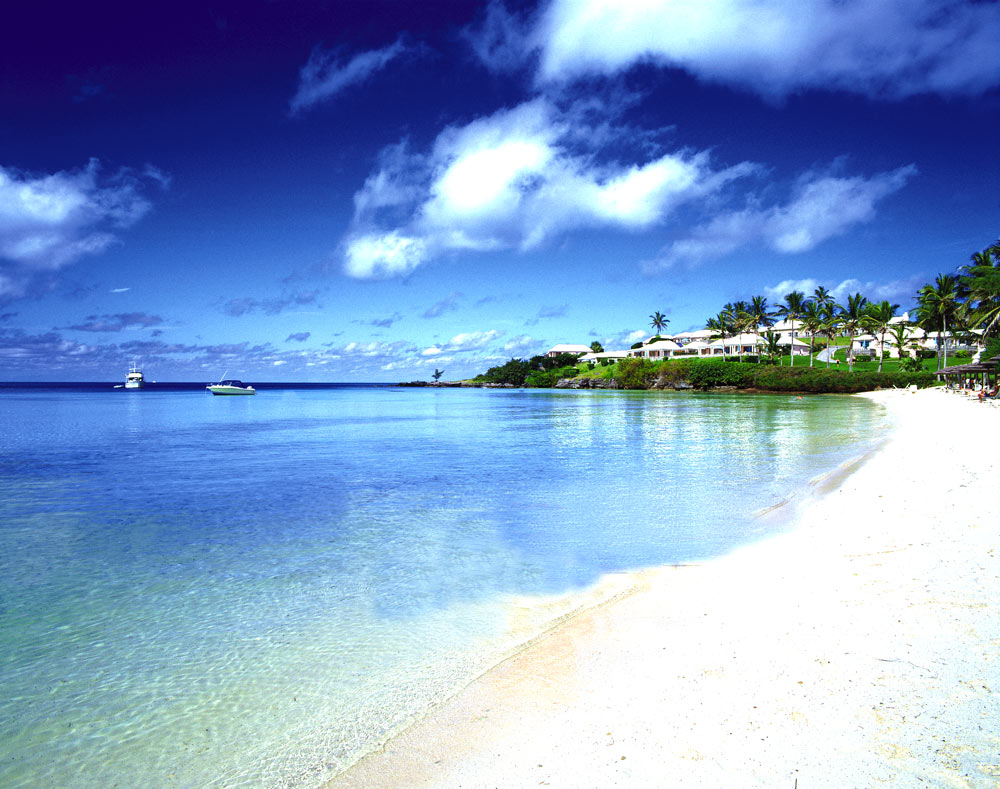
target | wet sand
[{"x": 861, "y": 648}]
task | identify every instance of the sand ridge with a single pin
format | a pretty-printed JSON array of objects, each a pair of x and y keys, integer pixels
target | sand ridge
[{"x": 862, "y": 648}]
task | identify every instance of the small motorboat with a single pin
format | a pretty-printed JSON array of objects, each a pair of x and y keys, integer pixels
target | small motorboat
[{"x": 231, "y": 386}]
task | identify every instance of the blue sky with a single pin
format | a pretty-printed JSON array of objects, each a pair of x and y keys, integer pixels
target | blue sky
[{"x": 367, "y": 191}]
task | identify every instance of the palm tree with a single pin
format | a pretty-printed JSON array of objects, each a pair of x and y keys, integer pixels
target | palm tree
[
  {"x": 720, "y": 326},
  {"x": 935, "y": 305},
  {"x": 812, "y": 322},
  {"x": 850, "y": 318},
  {"x": 876, "y": 319},
  {"x": 829, "y": 312},
  {"x": 822, "y": 296},
  {"x": 795, "y": 303},
  {"x": 772, "y": 345},
  {"x": 659, "y": 321},
  {"x": 437, "y": 374},
  {"x": 739, "y": 320},
  {"x": 759, "y": 314},
  {"x": 981, "y": 288},
  {"x": 899, "y": 334},
  {"x": 596, "y": 347}
]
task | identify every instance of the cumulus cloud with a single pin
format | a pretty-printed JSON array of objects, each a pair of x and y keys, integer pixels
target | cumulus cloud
[
  {"x": 48, "y": 222},
  {"x": 513, "y": 180},
  {"x": 897, "y": 291},
  {"x": 891, "y": 48},
  {"x": 522, "y": 345},
  {"x": 821, "y": 206},
  {"x": 462, "y": 343},
  {"x": 327, "y": 73}
]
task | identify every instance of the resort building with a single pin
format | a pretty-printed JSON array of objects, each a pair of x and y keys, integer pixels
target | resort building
[
  {"x": 687, "y": 337},
  {"x": 694, "y": 348},
  {"x": 793, "y": 346},
  {"x": 555, "y": 350},
  {"x": 660, "y": 349},
  {"x": 738, "y": 345},
  {"x": 917, "y": 339},
  {"x": 613, "y": 356}
]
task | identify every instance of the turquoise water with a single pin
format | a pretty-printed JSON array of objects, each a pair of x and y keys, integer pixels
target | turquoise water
[{"x": 204, "y": 591}]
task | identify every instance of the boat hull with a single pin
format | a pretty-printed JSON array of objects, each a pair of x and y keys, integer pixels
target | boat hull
[{"x": 231, "y": 390}]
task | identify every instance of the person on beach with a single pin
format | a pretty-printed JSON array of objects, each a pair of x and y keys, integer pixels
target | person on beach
[{"x": 990, "y": 395}]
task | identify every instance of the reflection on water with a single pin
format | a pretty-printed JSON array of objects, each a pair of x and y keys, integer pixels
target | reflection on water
[{"x": 210, "y": 590}]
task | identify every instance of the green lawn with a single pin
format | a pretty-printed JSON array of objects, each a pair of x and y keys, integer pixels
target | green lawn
[{"x": 889, "y": 365}]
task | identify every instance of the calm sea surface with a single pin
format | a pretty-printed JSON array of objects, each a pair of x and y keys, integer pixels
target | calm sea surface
[{"x": 250, "y": 591}]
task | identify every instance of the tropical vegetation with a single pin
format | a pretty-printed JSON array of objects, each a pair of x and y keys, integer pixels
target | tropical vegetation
[{"x": 959, "y": 304}]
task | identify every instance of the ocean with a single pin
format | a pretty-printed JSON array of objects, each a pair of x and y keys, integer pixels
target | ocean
[{"x": 201, "y": 591}]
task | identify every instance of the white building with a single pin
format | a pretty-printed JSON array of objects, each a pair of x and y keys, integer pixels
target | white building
[
  {"x": 604, "y": 355},
  {"x": 661, "y": 349},
  {"x": 739, "y": 344},
  {"x": 555, "y": 350}
]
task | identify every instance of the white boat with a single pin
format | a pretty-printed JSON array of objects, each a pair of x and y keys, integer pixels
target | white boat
[
  {"x": 230, "y": 386},
  {"x": 134, "y": 379}
]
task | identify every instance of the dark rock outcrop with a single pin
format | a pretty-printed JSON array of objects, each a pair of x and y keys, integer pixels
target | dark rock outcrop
[{"x": 587, "y": 383}]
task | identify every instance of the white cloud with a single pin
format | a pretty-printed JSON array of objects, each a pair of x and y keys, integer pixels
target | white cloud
[
  {"x": 522, "y": 345},
  {"x": 897, "y": 291},
  {"x": 893, "y": 48},
  {"x": 324, "y": 75},
  {"x": 386, "y": 255},
  {"x": 48, "y": 222},
  {"x": 820, "y": 207},
  {"x": 513, "y": 180},
  {"x": 471, "y": 341}
]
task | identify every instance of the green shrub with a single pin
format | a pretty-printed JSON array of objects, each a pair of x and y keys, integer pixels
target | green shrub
[
  {"x": 513, "y": 372},
  {"x": 546, "y": 379},
  {"x": 705, "y": 374},
  {"x": 635, "y": 373}
]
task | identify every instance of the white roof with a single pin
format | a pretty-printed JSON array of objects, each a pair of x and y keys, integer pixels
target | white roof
[
  {"x": 593, "y": 357},
  {"x": 661, "y": 345},
  {"x": 700, "y": 334},
  {"x": 740, "y": 339},
  {"x": 569, "y": 348},
  {"x": 697, "y": 345},
  {"x": 784, "y": 340}
]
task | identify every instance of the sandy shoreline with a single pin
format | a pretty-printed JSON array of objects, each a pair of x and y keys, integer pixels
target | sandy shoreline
[{"x": 860, "y": 649}]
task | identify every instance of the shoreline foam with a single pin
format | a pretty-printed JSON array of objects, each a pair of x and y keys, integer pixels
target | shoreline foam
[{"x": 858, "y": 648}]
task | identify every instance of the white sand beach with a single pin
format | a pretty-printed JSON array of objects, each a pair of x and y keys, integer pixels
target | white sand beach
[{"x": 860, "y": 649}]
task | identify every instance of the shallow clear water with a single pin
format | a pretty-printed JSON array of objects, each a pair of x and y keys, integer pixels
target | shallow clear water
[{"x": 205, "y": 591}]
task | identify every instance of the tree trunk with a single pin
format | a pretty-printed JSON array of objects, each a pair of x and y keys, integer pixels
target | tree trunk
[{"x": 944, "y": 339}]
